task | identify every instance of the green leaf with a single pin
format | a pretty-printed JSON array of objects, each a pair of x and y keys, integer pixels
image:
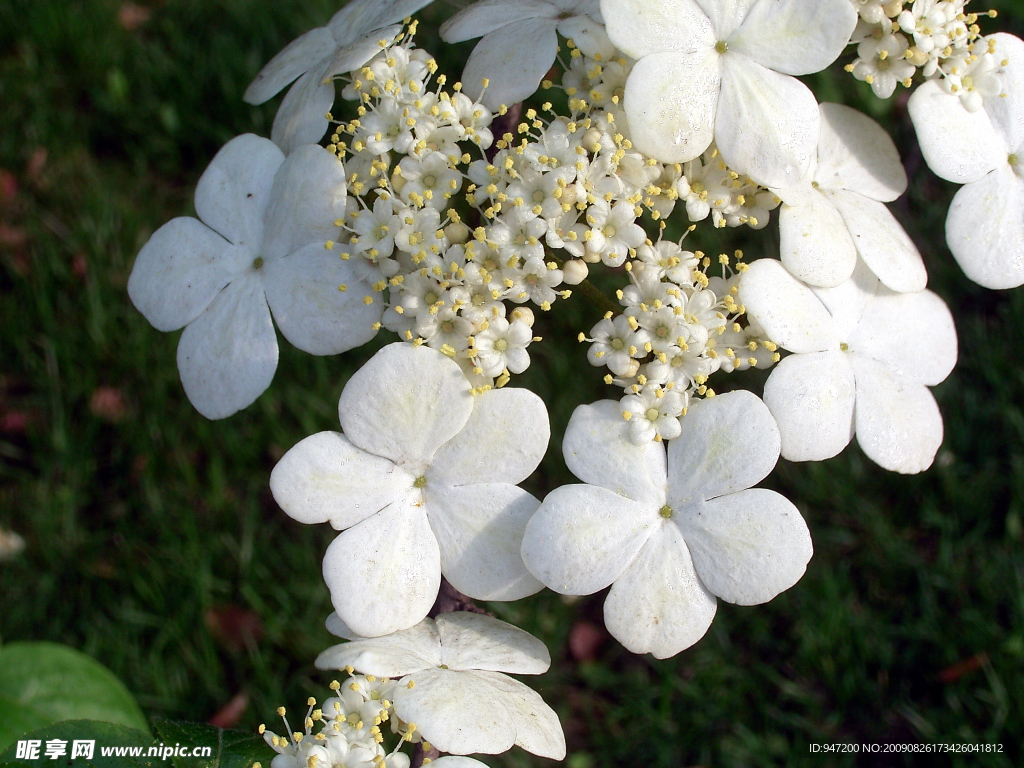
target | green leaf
[
  {"x": 47, "y": 682},
  {"x": 105, "y": 735},
  {"x": 230, "y": 749}
]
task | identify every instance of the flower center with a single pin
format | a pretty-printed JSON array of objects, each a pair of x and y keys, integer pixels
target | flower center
[
  {"x": 843, "y": 346},
  {"x": 420, "y": 482},
  {"x": 1013, "y": 159},
  {"x": 430, "y": 297},
  {"x": 429, "y": 181},
  {"x": 501, "y": 345},
  {"x": 652, "y": 415},
  {"x": 257, "y": 263},
  {"x": 538, "y": 196},
  {"x": 618, "y": 344},
  {"x": 608, "y": 230},
  {"x": 721, "y": 46},
  {"x": 665, "y": 511}
]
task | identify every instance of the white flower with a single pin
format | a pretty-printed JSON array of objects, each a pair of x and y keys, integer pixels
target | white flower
[
  {"x": 350, "y": 39},
  {"x": 838, "y": 211},
  {"x": 423, "y": 479},
  {"x": 451, "y": 685},
  {"x": 258, "y": 247},
  {"x": 720, "y": 70},
  {"x": 984, "y": 151},
  {"x": 653, "y": 413},
  {"x": 881, "y": 63},
  {"x": 669, "y": 536},
  {"x": 503, "y": 345},
  {"x": 519, "y": 43},
  {"x": 864, "y": 358}
]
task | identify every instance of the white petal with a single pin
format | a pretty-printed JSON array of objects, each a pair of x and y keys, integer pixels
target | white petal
[
  {"x": 787, "y": 310},
  {"x": 747, "y": 547},
  {"x": 726, "y": 15},
  {"x": 847, "y": 301},
  {"x": 479, "y": 530},
  {"x": 513, "y": 66},
  {"x": 1007, "y": 114},
  {"x": 339, "y": 628},
  {"x": 308, "y": 196},
  {"x": 476, "y": 641},
  {"x": 326, "y": 478},
  {"x": 728, "y": 443},
  {"x": 311, "y": 311},
  {"x": 503, "y": 442},
  {"x": 405, "y": 403},
  {"x": 302, "y": 116},
  {"x": 297, "y": 58},
  {"x": 457, "y": 761},
  {"x": 958, "y": 145},
  {"x": 583, "y": 537},
  {"x": 815, "y": 244},
  {"x": 180, "y": 270},
  {"x": 795, "y": 37},
  {"x": 588, "y": 35},
  {"x": 767, "y": 124},
  {"x": 911, "y": 334},
  {"x": 227, "y": 356},
  {"x": 459, "y": 712},
  {"x": 670, "y": 103},
  {"x": 486, "y": 16},
  {"x": 882, "y": 243},
  {"x": 360, "y": 17},
  {"x": 537, "y": 727},
  {"x": 234, "y": 190},
  {"x": 899, "y": 426},
  {"x": 349, "y": 58},
  {"x": 597, "y": 449},
  {"x": 639, "y": 27},
  {"x": 395, "y": 655},
  {"x": 384, "y": 573},
  {"x": 985, "y": 229},
  {"x": 856, "y": 153},
  {"x": 812, "y": 398},
  {"x": 658, "y": 605}
]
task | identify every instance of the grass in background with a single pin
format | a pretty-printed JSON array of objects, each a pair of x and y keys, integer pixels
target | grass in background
[{"x": 154, "y": 544}]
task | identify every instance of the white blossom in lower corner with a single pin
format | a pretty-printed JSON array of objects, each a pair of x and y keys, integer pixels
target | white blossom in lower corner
[
  {"x": 670, "y": 534},
  {"x": 452, "y": 690},
  {"x": 864, "y": 359},
  {"x": 423, "y": 484},
  {"x": 258, "y": 248}
]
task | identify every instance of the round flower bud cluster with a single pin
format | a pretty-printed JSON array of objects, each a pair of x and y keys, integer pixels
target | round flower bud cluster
[
  {"x": 348, "y": 729},
  {"x": 674, "y": 333},
  {"x": 896, "y": 39}
]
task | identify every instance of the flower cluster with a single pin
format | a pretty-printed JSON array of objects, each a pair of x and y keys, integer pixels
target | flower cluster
[{"x": 939, "y": 38}]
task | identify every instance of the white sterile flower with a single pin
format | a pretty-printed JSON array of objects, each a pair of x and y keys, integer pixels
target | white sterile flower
[
  {"x": 669, "y": 535},
  {"x": 984, "y": 150},
  {"x": 350, "y": 39},
  {"x": 503, "y": 345},
  {"x": 424, "y": 480},
  {"x": 718, "y": 69},
  {"x": 838, "y": 211},
  {"x": 520, "y": 43},
  {"x": 257, "y": 247},
  {"x": 451, "y": 685},
  {"x": 863, "y": 360}
]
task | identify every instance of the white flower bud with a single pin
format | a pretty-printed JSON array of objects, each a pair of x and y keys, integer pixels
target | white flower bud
[
  {"x": 633, "y": 369},
  {"x": 522, "y": 313},
  {"x": 574, "y": 272},
  {"x": 457, "y": 232}
]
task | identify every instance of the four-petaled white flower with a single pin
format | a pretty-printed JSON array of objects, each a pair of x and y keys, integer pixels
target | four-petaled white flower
[
  {"x": 838, "y": 210},
  {"x": 258, "y": 247},
  {"x": 452, "y": 687},
  {"x": 720, "y": 69},
  {"x": 350, "y": 39},
  {"x": 984, "y": 151},
  {"x": 423, "y": 479},
  {"x": 669, "y": 535},
  {"x": 520, "y": 42},
  {"x": 864, "y": 358}
]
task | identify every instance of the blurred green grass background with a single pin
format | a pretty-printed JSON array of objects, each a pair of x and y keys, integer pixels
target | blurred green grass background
[{"x": 153, "y": 543}]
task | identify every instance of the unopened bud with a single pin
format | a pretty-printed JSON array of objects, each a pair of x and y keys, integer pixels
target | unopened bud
[
  {"x": 457, "y": 233},
  {"x": 522, "y": 313},
  {"x": 574, "y": 272},
  {"x": 634, "y": 368}
]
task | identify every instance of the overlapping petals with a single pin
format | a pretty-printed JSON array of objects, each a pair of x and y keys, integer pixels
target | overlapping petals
[
  {"x": 452, "y": 684},
  {"x": 256, "y": 250},
  {"x": 984, "y": 151},
  {"x": 837, "y": 212},
  {"x": 712, "y": 69},
  {"x": 865, "y": 357},
  {"x": 519, "y": 43},
  {"x": 350, "y": 39},
  {"x": 423, "y": 484},
  {"x": 670, "y": 534}
]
